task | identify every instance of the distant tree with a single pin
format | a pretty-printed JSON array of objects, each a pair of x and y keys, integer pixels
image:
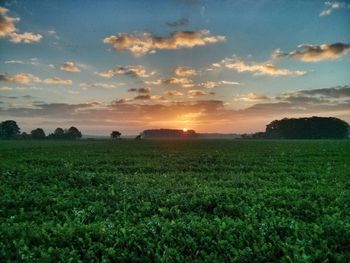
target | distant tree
[
  {"x": 58, "y": 133},
  {"x": 115, "y": 134},
  {"x": 138, "y": 137},
  {"x": 308, "y": 128},
  {"x": 73, "y": 133},
  {"x": 9, "y": 129},
  {"x": 168, "y": 133},
  {"x": 24, "y": 136},
  {"x": 258, "y": 135},
  {"x": 38, "y": 134}
]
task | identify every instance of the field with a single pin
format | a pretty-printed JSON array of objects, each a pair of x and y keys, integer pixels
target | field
[{"x": 175, "y": 201}]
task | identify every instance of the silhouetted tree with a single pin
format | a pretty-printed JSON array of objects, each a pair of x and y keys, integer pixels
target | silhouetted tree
[
  {"x": 58, "y": 133},
  {"x": 24, "y": 136},
  {"x": 38, "y": 134},
  {"x": 73, "y": 133},
  {"x": 9, "y": 129},
  {"x": 168, "y": 133},
  {"x": 115, "y": 134},
  {"x": 308, "y": 128},
  {"x": 138, "y": 137}
]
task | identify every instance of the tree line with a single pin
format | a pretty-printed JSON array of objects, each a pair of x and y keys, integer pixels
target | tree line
[
  {"x": 10, "y": 130},
  {"x": 303, "y": 128},
  {"x": 287, "y": 128}
]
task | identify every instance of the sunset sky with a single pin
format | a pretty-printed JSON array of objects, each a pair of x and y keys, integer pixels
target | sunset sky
[{"x": 212, "y": 66}]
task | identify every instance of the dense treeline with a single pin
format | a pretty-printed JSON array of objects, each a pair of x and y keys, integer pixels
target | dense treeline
[
  {"x": 308, "y": 128},
  {"x": 10, "y": 130},
  {"x": 168, "y": 133}
]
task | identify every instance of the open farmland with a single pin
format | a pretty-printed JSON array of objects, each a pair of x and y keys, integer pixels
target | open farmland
[{"x": 175, "y": 201}]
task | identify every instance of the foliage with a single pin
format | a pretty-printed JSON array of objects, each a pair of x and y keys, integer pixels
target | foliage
[
  {"x": 9, "y": 129},
  {"x": 308, "y": 128},
  {"x": 71, "y": 134},
  {"x": 38, "y": 134},
  {"x": 168, "y": 133},
  {"x": 175, "y": 201},
  {"x": 115, "y": 134}
]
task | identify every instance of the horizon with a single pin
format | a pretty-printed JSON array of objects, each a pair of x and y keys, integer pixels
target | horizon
[{"x": 213, "y": 67}]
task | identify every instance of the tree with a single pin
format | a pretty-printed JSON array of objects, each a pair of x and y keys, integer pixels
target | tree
[
  {"x": 308, "y": 128},
  {"x": 38, "y": 134},
  {"x": 9, "y": 129},
  {"x": 73, "y": 133},
  {"x": 58, "y": 133},
  {"x": 115, "y": 134},
  {"x": 24, "y": 136}
]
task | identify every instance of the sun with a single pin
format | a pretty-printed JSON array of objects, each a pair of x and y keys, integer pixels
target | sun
[{"x": 184, "y": 129}]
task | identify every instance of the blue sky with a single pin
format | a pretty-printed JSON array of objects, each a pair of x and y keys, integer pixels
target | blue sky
[{"x": 242, "y": 63}]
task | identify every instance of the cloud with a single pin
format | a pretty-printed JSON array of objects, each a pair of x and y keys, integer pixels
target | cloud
[
  {"x": 326, "y": 95},
  {"x": 7, "y": 24},
  {"x": 154, "y": 82},
  {"x": 26, "y": 78},
  {"x": 32, "y": 61},
  {"x": 99, "y": 85},
  {"x": 8, "y": 29},
  {"x": 259, "y": 68},
  {"x": 335, "y": 92},
  {"x": 144, "y": 43},
  {"x": 185, "y": 71},
  {"x": 26, "y": 37},
  {"x": 133, "y": 71},
  {"x": 58, "y": 81},
  {"x": 173, "y": 93},
  {"x": 22, "y": 78},
  {"x": 215, "y": 84},
  {"x": 54, "y": 34},
  {"x": 178, "y": 23},
  {"x": 14, "y": 62},
  {"x": 143, "y": 97},
  {"x": 176, "y": 80},
  {"x": 4, "y": 88},
  {"x": 196, "y": 93},
  {"x": 251, "y": 97},
  {"x": 315, "y": 53},
  {"x": 330, "y": 6},
  {"x": 140, "y": 90},
  {"x": 134, "y": 115},
  {"x": 69, "y": 66}
]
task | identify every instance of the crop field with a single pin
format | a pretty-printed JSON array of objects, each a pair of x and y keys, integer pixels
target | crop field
[{"x": 175, "y": 201}]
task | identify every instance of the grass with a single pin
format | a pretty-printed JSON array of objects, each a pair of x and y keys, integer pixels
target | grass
[{"x": 175, "y": 201}]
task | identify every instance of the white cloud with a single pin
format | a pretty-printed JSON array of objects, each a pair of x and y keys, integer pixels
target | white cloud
[
  {"x": 8, "y": 29},
  {"x": 143, "y": 43},
  {"x": 69, "y": 66},
  {"x": 259, "y": 68}
]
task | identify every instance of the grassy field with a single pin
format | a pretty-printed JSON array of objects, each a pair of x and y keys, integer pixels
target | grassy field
[{"x": 175, "y": 201}]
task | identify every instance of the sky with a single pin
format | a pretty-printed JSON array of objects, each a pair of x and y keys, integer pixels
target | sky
[{"x": 224, "y": 66}]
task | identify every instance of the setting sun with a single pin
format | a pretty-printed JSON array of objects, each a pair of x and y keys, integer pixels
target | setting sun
[{"x": 185, "y": 129}]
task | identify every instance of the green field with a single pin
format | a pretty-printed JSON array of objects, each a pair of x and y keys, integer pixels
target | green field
[{"x": 175, "y": 201}]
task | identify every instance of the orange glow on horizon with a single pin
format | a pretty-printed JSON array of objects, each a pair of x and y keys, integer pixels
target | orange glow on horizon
[{"x": 185, "y": 129}]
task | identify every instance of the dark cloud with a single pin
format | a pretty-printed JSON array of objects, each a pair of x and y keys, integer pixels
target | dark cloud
[
  {"x": 315, "y": 53},
  {"x": 336, "y": 92},
  {"x": 179, "y": 23},
  {"x": 140, "y": 90},
  {"x": 143, "y": 97}
]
